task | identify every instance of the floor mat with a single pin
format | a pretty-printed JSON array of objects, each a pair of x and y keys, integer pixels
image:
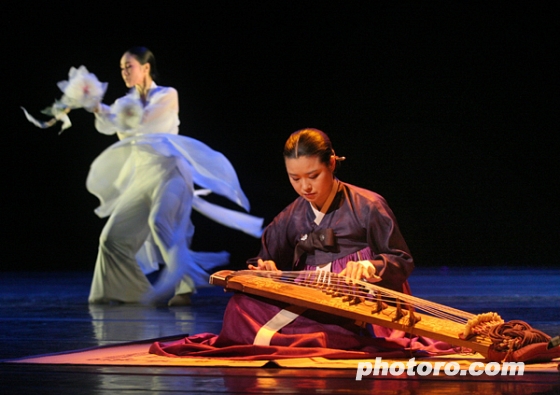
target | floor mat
[{"x": 136, "y": 354}]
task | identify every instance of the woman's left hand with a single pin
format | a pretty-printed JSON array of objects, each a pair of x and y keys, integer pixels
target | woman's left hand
[{"x": 361, "y": 271}]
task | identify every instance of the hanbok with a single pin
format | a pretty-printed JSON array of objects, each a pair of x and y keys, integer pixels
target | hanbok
[
  {"x": 146, "y": 186},
  {"x": 359, "y": 226}
]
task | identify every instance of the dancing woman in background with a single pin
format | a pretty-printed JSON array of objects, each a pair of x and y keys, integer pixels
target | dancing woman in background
[{"x": 145, "y": 183}]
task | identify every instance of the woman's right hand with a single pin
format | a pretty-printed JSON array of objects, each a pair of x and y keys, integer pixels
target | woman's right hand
[
  {"x": 264, "y": 265},
  {"x": 94, "y": 108}
]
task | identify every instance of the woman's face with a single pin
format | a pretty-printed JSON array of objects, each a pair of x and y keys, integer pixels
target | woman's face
[
  {"x": 311, "y": 178},
  {"x": 132, "y": 71}
]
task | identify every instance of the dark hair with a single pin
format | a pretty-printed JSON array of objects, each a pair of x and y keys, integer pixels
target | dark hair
[
  {"x": 143, "y": 55},
  {"x": 309, "y": 142}
]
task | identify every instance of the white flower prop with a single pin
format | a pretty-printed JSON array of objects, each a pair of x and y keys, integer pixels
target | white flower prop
[
  {"x": 58, "y": 111},
  {"x": 128, "y": 113},
  {"x": 82, "y": 90}
]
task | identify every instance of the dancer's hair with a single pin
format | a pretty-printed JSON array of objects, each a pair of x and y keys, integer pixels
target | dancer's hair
[{"x": 143, "y": 55}]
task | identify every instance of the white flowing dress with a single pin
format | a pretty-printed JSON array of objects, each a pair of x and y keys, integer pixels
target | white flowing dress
[{"x": 145, "y": 183}]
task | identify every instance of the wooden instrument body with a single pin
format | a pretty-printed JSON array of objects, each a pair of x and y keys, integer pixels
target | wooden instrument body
[{"x": 316, "y": 299}]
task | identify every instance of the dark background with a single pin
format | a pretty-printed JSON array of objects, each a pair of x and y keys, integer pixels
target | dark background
[{"x": 447, "y": 109}]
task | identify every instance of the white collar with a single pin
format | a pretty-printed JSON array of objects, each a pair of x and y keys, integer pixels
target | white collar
[
  {"x": 318, "y": 214},
  {"x": 134, "y": 92}
]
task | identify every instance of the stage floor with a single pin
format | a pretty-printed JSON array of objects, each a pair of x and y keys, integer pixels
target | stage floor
[{"x": 43, "y": 313}]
